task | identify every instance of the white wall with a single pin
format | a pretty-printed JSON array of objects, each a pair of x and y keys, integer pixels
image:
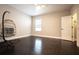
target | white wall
[
  {"x": 51, "y": 24},
  {"x": 22, "y": 21}
]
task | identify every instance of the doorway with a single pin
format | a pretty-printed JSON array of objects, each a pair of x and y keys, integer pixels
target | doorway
[
  {"x": 69, "y": 27},
  {"x": 74, "y": 26},
  {"x": 66, "y": 28}
]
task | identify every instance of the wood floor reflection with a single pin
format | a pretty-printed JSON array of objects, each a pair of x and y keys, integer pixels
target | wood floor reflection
[{"x": 40, "y": 46}]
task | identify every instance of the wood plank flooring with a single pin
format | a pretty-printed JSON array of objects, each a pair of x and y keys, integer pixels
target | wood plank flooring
[{"x": 39, "y": 46}]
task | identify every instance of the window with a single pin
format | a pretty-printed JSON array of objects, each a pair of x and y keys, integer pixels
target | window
[{"x": 37, "y": 24}]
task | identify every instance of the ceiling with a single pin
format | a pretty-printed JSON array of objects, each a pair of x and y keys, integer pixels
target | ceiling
[{"x": 30, "y": 9}]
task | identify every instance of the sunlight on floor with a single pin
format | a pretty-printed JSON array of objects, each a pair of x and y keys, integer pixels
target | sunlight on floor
[{"x": 38, "y": 46}]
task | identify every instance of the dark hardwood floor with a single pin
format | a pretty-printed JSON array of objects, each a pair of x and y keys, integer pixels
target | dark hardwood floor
[{"x": 39, "y": 46}]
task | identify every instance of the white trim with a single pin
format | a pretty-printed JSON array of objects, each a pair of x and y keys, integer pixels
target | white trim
[
  {"x": 47, "y": 36},
  {"x": 15, "y": 37},
  {"x": 77, "y": 45},
  {"x": 50, "y": 37}
]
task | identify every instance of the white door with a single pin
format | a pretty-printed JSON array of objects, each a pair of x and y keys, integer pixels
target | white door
[{"x": 66, "y": 28}]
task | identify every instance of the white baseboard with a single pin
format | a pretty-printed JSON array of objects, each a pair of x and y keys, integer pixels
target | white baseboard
[
  {"x": 15, "y": 37},
  {"x": 47, "y": 36},
  {"x": 50, "y": 37},
  {"x": 77, "y": 44}
]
